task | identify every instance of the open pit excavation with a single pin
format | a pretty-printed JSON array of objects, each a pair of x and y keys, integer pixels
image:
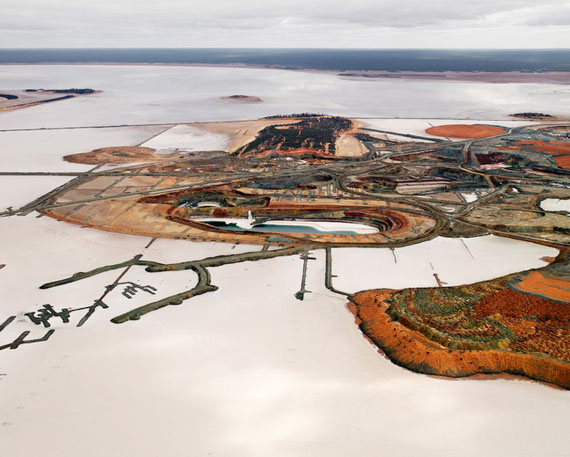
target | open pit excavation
[{"x": 302, "y": 183}]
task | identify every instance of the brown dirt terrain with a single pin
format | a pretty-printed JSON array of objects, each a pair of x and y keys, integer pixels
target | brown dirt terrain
[
  {"x": 299, "y": 152},
  {"x": 115, "y": 155},
  {"x": 560, "y": 149},
  {"x": 563, "y": 161},
  {"x": 348, "y": 145},
  {"x": 552, "y": 147},
  {"x": 466, "y": 131},
  {"x": 239, "y": 132},
  {"x": 161, "y": 215},
  {"x": 514, "y": 304}
]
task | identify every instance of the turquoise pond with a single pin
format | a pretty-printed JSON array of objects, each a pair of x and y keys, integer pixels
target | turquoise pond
[{"x": 278, "y": 228}]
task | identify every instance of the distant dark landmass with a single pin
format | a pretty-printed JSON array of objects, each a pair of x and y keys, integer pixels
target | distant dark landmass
[
  {"x": 539, "y": 116},
  {"x": 548, "y": 60},
  {"x": 243, "y": 98},
  {"x": 64, "y": 91}
]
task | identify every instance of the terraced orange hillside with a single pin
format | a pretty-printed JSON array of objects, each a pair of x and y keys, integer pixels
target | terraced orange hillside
[{"x": 484, "y": 328}]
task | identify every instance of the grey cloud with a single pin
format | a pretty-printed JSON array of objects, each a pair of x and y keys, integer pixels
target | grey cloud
[
  {"x": 229, "y": 21},
  {"x": 369, "y": 12},
  {"x": 551, "y": 16}
]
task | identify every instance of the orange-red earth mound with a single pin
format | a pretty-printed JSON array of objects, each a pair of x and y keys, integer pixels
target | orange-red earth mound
[{"x": 466, "y": 131}]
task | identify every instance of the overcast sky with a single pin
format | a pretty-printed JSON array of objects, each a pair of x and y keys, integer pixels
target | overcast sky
[{"x": 286, "y": 23}]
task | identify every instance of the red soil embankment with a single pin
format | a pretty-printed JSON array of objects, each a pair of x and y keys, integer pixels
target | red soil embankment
[
  {"x": 563, "y": 161},
  {"x": 536, "y": 283},
  {"x": 551, "y": 147},
  {"x": 466, "y": 131},
  {"x": 414, "y": 351},
  {"x": 560, "y": 149}
]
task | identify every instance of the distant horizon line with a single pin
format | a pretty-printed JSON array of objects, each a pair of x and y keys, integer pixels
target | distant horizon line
[
  {"x": 341, "y": 59},
  {"x": 282, "y": 48}
]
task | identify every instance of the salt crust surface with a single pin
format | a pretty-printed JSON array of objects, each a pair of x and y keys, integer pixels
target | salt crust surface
[{"x": 247, "y": 370}]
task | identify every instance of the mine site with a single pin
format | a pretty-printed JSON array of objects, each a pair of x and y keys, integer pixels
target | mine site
[
  {"x": 277, "y": 261},
  {"x": 298, "y": 187}
]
